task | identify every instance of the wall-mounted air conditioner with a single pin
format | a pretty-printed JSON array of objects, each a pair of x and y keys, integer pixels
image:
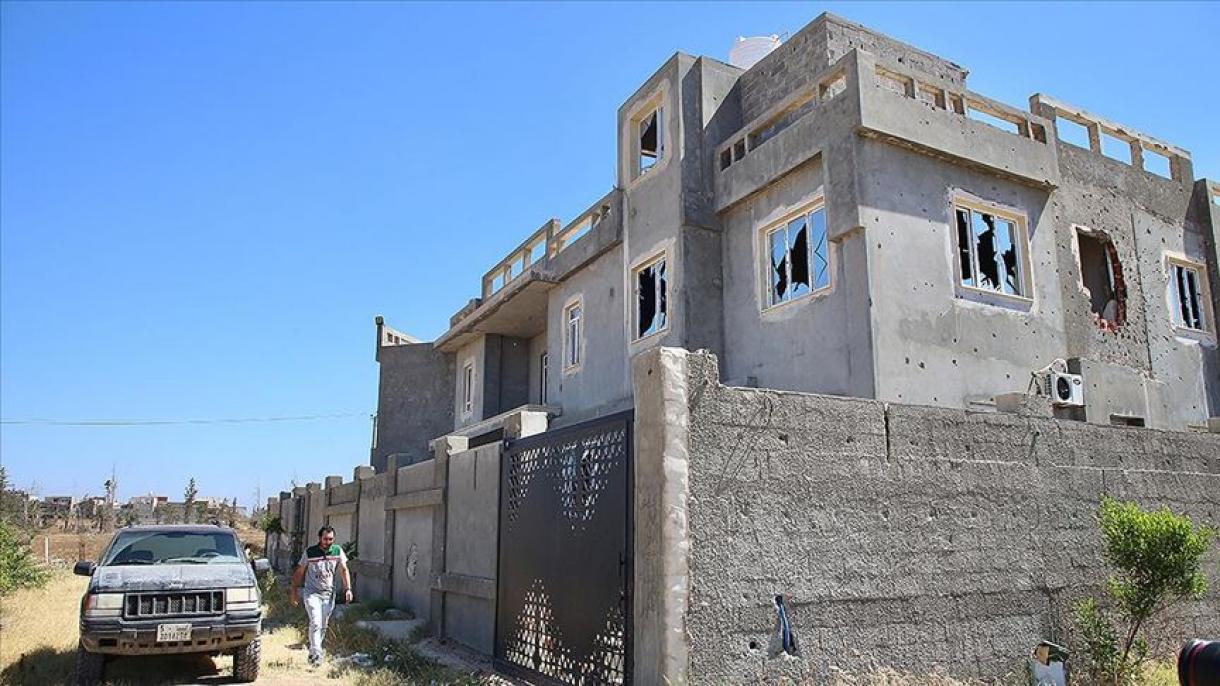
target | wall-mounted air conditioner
[{"x": 1066, "y": 390}]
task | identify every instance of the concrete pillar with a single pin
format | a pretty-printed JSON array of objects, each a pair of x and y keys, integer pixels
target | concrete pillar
[
  {"x": 662, "y": 576},
  {"x": 391, "y": 488},
  {"x": 525, "y": 423},
  {"x": 442, "y": 448},
  {"x": 333, "y": 481},
  {"x": 363, "y": 472}
]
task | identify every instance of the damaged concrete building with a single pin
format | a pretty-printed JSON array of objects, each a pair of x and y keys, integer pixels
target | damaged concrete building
[
  {"x": 929, "y": 331},
  {"x": 846, "y": 217}
]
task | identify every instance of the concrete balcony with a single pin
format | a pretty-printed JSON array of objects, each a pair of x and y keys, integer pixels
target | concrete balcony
[
  {"x": 514, "y": 292},
  {"x": 941, "y": 120}
]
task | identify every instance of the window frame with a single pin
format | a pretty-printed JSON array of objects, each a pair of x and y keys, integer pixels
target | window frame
[
  {"x": 807, "y": 209},
  {"x": 656, "y": 102},
  {"x": 1173, "y": 293},
  {"x": 650, "y": 261},
  {"x": 468, "y": 388},
  {"x": 1024, "y": 266},
  {"x": 573, "y": 344},
  {"x": 544, "y": 363}
]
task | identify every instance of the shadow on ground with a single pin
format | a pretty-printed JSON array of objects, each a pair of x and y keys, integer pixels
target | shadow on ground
[{"x": 47, "y": 666}]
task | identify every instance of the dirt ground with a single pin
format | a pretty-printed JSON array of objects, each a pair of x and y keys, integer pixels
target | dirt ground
[{"x": 39, "y": 636}]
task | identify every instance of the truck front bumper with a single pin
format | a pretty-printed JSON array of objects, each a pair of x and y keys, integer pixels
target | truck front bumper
[{"x": 118, "y": 636}]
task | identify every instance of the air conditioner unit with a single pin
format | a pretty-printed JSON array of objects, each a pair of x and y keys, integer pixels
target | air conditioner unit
[{"x": 1066, "y": 390}]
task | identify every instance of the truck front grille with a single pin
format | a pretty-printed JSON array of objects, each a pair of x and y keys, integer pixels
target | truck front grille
[{"x": 182, "y": 604}]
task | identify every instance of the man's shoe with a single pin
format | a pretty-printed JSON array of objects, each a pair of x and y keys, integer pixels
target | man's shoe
[{"x": 315, "y": 661}]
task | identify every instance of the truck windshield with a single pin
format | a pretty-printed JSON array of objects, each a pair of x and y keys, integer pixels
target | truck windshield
[{"x": 172, "y": 547}]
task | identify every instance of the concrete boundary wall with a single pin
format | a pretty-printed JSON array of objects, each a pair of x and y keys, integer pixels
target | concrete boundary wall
[
  {"x": 425, "y": 534},
  {"x": 900, "y": 536}
]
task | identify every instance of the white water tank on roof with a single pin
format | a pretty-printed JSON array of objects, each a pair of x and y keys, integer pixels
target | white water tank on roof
[{"x": 746, "y": 52}]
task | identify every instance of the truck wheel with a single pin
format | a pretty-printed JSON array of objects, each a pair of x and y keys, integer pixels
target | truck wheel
[
  {"x": 246, "y": 659},
  {"x": 89, "y": 667}
]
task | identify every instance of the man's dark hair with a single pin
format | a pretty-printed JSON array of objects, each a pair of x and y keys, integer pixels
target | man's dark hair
[{"x": 322, "y": 532}]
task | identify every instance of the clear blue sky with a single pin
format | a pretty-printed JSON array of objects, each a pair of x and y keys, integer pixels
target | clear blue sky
[{"x": 202, "y": 206}]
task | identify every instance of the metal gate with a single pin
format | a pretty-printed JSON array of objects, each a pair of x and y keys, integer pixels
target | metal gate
[{"x": 563, "y": 602}]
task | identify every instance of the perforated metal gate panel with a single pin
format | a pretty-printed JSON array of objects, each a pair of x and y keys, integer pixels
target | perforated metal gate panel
[{"x": 563, "y": 611}]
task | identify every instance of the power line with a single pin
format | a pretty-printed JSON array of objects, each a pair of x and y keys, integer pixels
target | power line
[{"x": 174, "y": 422}]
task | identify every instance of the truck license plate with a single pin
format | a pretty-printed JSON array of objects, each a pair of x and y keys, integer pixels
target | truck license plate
[{"x": 173, "y": 632}]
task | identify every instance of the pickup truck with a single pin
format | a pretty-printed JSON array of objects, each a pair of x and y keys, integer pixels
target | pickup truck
[{"x": 170, "y": 589}]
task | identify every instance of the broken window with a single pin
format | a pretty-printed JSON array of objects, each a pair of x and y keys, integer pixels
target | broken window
[
  {"x": 797, "y": 257},
  {"x": 651, "y": 294},
  {"x": 573, "y": 316},
  {"x": 468, "y": 388},
  {"x": 989, "y": 251},
  {"x": 1102, "y": 277},
  {"x": 650, "y": 143},
  {"x": 544, "y": 364},
  {"x": 1187, "y": 285}
]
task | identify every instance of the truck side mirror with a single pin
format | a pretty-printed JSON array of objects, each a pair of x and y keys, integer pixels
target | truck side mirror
[
  {"x": 262, "y": 565},
  {"x": 84, "y": 568}
]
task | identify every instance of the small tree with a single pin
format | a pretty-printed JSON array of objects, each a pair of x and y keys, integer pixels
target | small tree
[
  {"x": 1156, "y": 558},
  {"x": 18, "y": 568},
  {"x": 188, "y": 498}
]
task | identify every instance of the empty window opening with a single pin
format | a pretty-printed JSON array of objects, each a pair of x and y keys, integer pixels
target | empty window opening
[
  {"x": 993, "y": 120},
  {"x": 988, "y": 251},
  {"x": 1156, "y": 163},
  {"x": 931, "y": 95},
  {"x": 893, "y": 82},
  {"x": 573, "y": 315},
  {"x": 833, "y": 86},
  {"x": 1126, "y": 420},
  {"x": 1073, "y": 132},
  {"x": 797, "y": 257},
  {"x": 1115, "y": 148},
  {"x": 497, "y": 281},
  {"x": 651, "y": 296},
  {"x": 651, "y": 142},
  {"x": 544, "y": 364},
  {"x": 1188, "y": 297},
  {"x": 468, "y": 388},
  {"x": 726, "y": 158},
  {"x": 1101, "y": 275}
]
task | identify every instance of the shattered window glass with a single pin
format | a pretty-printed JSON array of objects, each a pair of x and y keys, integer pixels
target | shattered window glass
[
  {"x": 1189, "y": 312},
  {"x": 987, "y": 252},
  {"x": 650, "y": 141},
  {"x": 651, "y": 306},
  {"x": 798, "y": 257}
]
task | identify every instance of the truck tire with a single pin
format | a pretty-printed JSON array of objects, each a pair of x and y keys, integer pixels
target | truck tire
[
  {"x": 246, "y": 659},
  {"x": 90, "y": 667}
]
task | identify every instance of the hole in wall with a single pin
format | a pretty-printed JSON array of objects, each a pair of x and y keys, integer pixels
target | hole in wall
[{"x": 1101, "y": 278}]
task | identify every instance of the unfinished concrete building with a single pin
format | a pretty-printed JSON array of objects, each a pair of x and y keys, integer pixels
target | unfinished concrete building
[
  {"x": 846, "y": 217},
  {"x": 935, "y": 331}
]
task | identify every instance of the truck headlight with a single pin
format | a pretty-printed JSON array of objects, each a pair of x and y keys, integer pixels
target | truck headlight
[
  {"x": 102, "y": 605},
  {"x": 241, "y": 598}
]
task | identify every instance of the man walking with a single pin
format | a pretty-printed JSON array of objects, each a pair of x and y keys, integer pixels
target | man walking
[{"x": 316, "y": 571}]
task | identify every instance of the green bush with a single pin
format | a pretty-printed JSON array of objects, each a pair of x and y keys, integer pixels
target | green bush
[
  {"x": 1155, "y": 557},
  {"x": 18, "y": 568}
]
